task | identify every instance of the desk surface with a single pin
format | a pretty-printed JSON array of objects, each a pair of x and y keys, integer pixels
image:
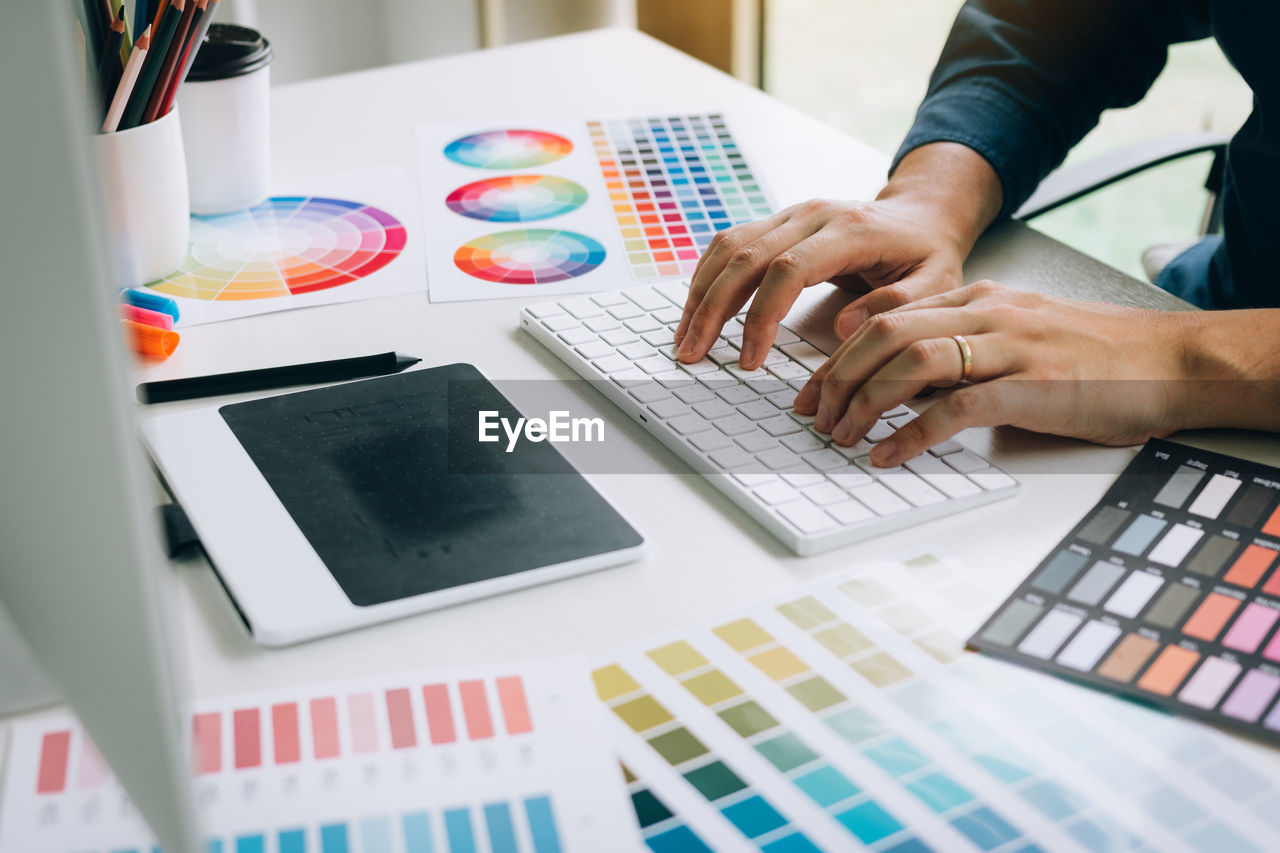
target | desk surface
[{"x": 706, "y": 556}]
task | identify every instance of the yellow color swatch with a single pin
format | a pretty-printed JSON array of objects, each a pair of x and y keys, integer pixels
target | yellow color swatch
[
  {"x": 779, "y": 664},
  {"x": 612, "y": 681},
  {"x": 677, "y": 658},
  {"x": 743, "y": 635}
]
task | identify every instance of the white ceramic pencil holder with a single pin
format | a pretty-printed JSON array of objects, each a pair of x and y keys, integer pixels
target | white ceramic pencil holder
[{"x": 144, "y": 175}]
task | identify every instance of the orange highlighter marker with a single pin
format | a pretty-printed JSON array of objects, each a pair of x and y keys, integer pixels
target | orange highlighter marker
[{"x": 151, "y": 340}]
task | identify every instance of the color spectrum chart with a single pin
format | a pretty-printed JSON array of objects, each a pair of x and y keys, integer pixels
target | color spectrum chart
[
  {"x": 284, "y": 246},
  {"x": 673, "y": 182},
  {"x": 419, "y": 763},
  {"x": 517, "y": 198},
  {"x": 531, "y": 256},
  {"x": 507, "y": 149},
  {"x": 847, "y": 715},
  {"x": 1168, "y": 590}
]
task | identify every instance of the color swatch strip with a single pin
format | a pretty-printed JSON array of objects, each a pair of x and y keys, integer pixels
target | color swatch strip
[
  {"x": 1168, "y": 590},
  {"x": 673, "y": 182},
  {"x": 288, "y": 245}
]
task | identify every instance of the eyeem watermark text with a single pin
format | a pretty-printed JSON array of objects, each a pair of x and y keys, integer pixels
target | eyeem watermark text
[{"x": 557, "y": 428}]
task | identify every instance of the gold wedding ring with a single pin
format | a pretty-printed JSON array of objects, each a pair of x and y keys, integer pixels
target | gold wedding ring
[{"x": 966, "y": 356}]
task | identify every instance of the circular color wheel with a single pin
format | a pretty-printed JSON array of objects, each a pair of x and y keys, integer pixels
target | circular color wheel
[
  {"x": 532, "y": 256},
  {"x": 517, "y": 198},
  {"x": 285, "y": 246},
  {"x": 508, "y": 149}
]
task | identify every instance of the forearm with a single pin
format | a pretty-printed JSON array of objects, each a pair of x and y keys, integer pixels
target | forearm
[
  {"x": 950, "y": 184},
  {"x": 1232, "y": 363}
]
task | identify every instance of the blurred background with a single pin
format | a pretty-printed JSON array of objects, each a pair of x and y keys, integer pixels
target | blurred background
[{"x": 860, "y": 65}]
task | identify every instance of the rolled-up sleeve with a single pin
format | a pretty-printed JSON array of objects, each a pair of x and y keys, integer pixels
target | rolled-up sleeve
[{"x": 1022, "y": 81}]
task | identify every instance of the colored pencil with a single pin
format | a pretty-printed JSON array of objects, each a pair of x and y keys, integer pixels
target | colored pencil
[
  {"x": 109, "y": 66},
  {"x": 195, "y": 37},
  {"x": 151, "y": 68},
  {"x": 88, "y": 14},
  {"x": 172, "y": 54},
  {"x": 127, "y": 81},
  {"x": 127, "y": 42}
]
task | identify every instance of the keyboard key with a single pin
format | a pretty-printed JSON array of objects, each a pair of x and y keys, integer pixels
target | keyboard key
[
  {"x": 545, "y": 309},
  {"x": 650, "y": 394},
  {"x": 630, "y": 378},
  {"x": 647, "y": 298},
  {"x": 946, "y": 448},
  {"x": 850, "y": 479},
  {"x": 825, "y": 460},
  {"x": 654, "y": 364},
  {"x": 718, "y": 381},
  {"x": 756, "y": 441},
  {"x": 582, "y": 308},
  {"x": 766, "y": 385},
  {"x": 644, "y": 323},
  {"x": 788, "y": 370},
  {"x": 861, "y": 448},
  {"x": 864, "y": 462},
  {"x": 758, "y": 409},
  {"x": 604, "y": 300},
  {"x": 751, "y": 480},
  {"x": 966, "y": 461},
  {"x": 778, "y": 458},
  {"x": 618, "y": 337},
  {"x": 805, "y": 353},
  {"x": 669, "y": 408},
  {"x": 803, "y": 420},
  {"x": 700, "y": 367},
  {"x": 573, "y": 337},
  {"x": 735, "y": 341},
  {"x": 612, "y": 364},
  {"x": 744, "y": 375},
  {"x": 801, "y": 477},
  {"x": 637, "y": 350},
  {"x": 779, "y": 425},
  {"x": 723, "y": 355},
  {"x": 807, "y": 517},
  {"x": 992, "y": 479},
  {"x": 777, "y": 493},
  {"x": 689, "y": 424},
  {"x": 785, "y": 336},
  {"x": 783, "y": 399},
  {"x": 673, "y": 379},
  {"x": 777, "y": 357},
  {"x": 733, "y": 328},
  {"x": 560, "y": 323},
  {"x": 601, "y": 324},
  {"x": 825, "y": 493},
  {"x": 897, "y": 412},
  {"x": 798, "y": 384},
  {"x": 940, "y": 475},
  {"x": 879, "y": 432},
  {"x": 695, "y": 394},
  {"x": 850, "y": 512},
  {"x": 911, "y": 487},
  {"x": 713, "y": 409},
  {"x": 594, "y": 350},
  {"x": 735, "y": 425},
  {"x": 900, "y": 421},
  {"x": 727, "y": 456},
  {"x": 625, "y": 311},
  {"x": 660, "y": 337},
  {"x": 668, "y": 315},
  {"x": 736, "y": 395},
  {"x": 668, "y": 352},
  {"x": 712, "y": 440},
  {"x": 880, "y": 500},
  {"x": 676, "y": 291},
  {"x": 803, "y": 442}
]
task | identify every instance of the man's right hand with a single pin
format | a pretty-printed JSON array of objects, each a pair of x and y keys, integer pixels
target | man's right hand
[{"x": 907, "y": 244}]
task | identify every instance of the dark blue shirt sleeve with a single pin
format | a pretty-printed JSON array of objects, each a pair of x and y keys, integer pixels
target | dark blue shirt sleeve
[{"x": 1022, "y": 81}]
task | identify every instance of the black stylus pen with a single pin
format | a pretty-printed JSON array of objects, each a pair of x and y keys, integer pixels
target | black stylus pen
[{"x": 315, "y": 373}]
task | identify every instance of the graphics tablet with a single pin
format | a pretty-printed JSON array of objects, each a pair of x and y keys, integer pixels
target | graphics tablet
[{"x": 329, "y": 509}]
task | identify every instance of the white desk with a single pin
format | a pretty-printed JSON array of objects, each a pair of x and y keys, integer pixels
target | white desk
[{"x": 706, "y": 556}]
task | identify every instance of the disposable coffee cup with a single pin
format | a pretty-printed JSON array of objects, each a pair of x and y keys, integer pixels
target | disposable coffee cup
[{"x": 226, "y": 120}]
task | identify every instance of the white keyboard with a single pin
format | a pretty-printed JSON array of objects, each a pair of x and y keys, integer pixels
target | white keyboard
[{"x": 739, "y": 429}]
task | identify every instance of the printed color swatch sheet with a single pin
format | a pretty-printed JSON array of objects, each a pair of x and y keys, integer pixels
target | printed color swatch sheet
[
  {"x": 500, "y": 760},
  {"x": 1169, "y": 590},
  {"x": 553, "y": 207},
  {"x": 847, "y": 715}
]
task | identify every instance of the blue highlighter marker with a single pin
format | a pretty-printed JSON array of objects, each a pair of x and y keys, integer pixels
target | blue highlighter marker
[{"x": 150, "y": 301}]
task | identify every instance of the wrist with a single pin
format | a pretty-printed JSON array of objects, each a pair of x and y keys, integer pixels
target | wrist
[{"x": 948, "y": 187}]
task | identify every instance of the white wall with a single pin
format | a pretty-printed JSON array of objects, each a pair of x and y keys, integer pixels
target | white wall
[{"x": 313, "y": 38}]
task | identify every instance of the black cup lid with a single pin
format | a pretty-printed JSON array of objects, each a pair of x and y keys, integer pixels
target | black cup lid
[{"x": 229, "y": 50}]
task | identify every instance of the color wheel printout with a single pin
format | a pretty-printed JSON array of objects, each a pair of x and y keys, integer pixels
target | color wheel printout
[
  {"x": 546, "y": 207},
  {"x": 335, "y": 238}
]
